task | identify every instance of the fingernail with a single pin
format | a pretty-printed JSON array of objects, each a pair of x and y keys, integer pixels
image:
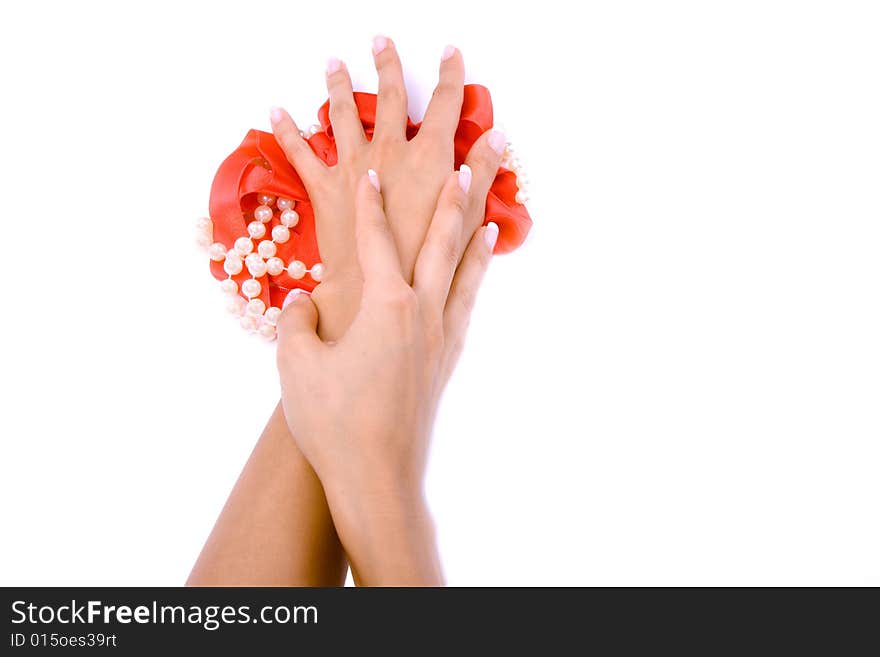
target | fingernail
[
  {"x": 374, "y": 178},
  {"x": 491, "y": 234},
  {"x": 275, "y": 114},
  {"x": 448, "y": 52},
  {"x": 333, "y": 65},
  {"x": 379, "y": 44},
  {"x": 464, "y": 178},
  {"x": 291, "y": 297},
  {"x": 497, "y": 141}
]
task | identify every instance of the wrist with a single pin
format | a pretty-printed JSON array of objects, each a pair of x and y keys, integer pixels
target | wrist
[{"x": 388, "y": 534}]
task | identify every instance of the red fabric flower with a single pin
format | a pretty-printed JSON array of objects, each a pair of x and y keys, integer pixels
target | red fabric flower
[{"x": 259, "y": 165}]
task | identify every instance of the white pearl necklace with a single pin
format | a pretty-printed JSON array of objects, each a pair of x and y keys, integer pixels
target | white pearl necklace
[
  {"x": 510, "y": 161},
  {"x": 260, "y": 259}
]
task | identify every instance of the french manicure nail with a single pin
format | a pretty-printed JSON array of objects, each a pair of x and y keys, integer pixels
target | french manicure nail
[
  {"x": 491, "y": 234},
  {"x": 333, "y": 65},
  {"x": 374, "y": 178},
  {"x": 291, "y": 297},
  {"x": 275, "y": 114},
  {"x": 448, "y": 52},
  {"x": 497, "y": 141},
  {"x": 464, "y": 178},
  {"x": 379, "y": 44}
]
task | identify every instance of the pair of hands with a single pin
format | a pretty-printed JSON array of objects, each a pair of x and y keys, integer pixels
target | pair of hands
[{"x": 364, "y": 360}]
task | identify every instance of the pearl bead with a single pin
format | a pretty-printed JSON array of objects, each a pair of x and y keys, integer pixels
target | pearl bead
[
  {"x": 251, "y": 288},
  {"x": 266, "y": 248},
  {"x": 248, "y": 322},
  {"x": 229, "y": 286},
  {"x": 243, "y": 246},
  {"x": 267, "y": 331},
  {"x": 285, "y": 203},
  {"x": 317, "y": 272},
  {"x": 236, "y": 305},
  {"x": 522, "y": 182},
  {"x": 255, "y": 307},
  {"x": 265, "y": 199},
  {"x": 290, "y": 218},
  {"x": 217, "y": 251},
  {"x": 272, "y": 315},
  {"x": 521, "y": 197},
  {"x": 204, "y": 239},
  {"x": 232, "y": 266},
  {"x": 256, "y": 229},
  {"x": 257, "y": 268},
  {"x": 296, "y": 269},
  {"x": 263, "y": 213},
  {"x": 280, "y": 234},
  {"x": 314, "y": 129},
  {"x": 274, "y": 266},
  {"x": 204, "y": 224}
]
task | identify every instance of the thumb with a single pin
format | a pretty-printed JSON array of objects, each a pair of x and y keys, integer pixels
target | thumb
[{"x": 298, "y": 321}]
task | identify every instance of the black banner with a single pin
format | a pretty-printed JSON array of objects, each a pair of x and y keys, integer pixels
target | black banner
[{"x": 127, "y": 621}]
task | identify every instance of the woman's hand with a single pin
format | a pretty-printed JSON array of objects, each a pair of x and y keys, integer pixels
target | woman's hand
[
  {"x": 361, "y": 408},
  {"x": 413, "y": 172}
]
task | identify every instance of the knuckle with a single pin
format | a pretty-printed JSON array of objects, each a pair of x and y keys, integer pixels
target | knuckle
[
  {"x": 457, "y": 202},
  {"x": 341, "y": 108},
  {"x": 445, "y": 89},
  {"x": 392, "y": 92},
  {"x": 483, "y": 159},
  {"x": 467, "y": 298},
  {"x": 484, "y": 258},
  {"x": 294, "y": 147},
  {"x": 429, "y": 145},
  {"x": 288, "y": 141},
  {"x": 454, "y": 346},
  {"x": 424, "y": 144},
  {"x": 435, "y": 338},
  {"x": 377, "y": 229},
  {"x": 339, "y": 113},
  {"x": 319, "y": 186},
  {"x": 447, "y": 247},
  {"x": 387, "y": 142},
  {"x": 457, "y": 346},
  {"x": 401, "y": 298}
]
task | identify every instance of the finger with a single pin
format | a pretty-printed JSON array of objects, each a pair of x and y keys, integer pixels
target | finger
[
  {"x": 466, "y": 284},
  {"x": 376, "y": 249},
  {"x": 484, "y": 158},
  {"x": 348, "y": 131},
  {"x": 441, "y": 252},
  {"x": 444, "y": 110},
  {"x": 391, "y": 103},
  {"x": 298, "y": 323},
  {"x": 297, "y": 150}
]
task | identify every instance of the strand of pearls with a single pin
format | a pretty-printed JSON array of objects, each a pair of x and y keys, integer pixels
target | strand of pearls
[
  {"x": 510, "y": 161},
  {"x": 260, "y": 259}
]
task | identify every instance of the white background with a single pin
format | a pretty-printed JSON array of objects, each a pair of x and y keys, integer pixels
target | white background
[{"x": 675, "y": 381}]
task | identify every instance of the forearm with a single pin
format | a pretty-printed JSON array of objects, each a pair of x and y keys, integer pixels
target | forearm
[
  {"x": 275, "y": 528},
  {"x": 389, "y": 537}
]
